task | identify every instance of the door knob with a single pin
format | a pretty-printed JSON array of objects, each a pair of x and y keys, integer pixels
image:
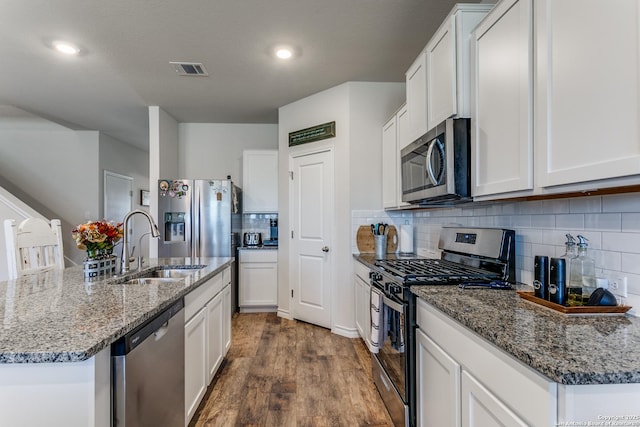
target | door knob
[{"x": 325, "y": 249}]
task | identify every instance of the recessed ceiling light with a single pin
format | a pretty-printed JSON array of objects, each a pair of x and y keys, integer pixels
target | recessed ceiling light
[
  {"x": 65, "y": 47},
  {"x": 284, "y": 53}
]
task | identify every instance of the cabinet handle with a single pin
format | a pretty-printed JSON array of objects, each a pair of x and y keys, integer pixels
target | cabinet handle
[{"x": 325, "y": 249}]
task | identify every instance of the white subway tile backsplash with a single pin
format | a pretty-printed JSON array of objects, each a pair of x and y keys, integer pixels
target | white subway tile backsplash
[
  {"x": 543, "y": 221},
  {"x": 585, "y": 205},
  {"x": 603, "y": 221},
  {"x": 621, "y": 242},
  {"x": 533, "y": 207},
  {"x": 521, "y": 221},
  {"x": 611, "y": 223},
  {"x": 621, "y": 203},
  {"x": 630, "y": 263},
  {"x": 607, "y": 260},
  {"x": 570, "y": 222},
  {"x": 555, "y": 206},
  {"x": 630, "y": 222}
]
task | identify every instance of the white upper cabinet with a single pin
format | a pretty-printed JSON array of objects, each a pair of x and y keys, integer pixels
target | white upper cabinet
[
  {"x": 259, "y": 181},
  {"x": 448, "y": 65},
  {"x": 389, "y": 163},
  {"x": 502, "y": 101},
  {"x": 394, "y": 138},
  {"x": 416, "y": 87},
  {"x": 587, "y": 108}
]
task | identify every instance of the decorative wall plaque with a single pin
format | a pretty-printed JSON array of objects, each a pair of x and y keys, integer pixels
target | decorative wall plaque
[{"x": 314, "y": 133}]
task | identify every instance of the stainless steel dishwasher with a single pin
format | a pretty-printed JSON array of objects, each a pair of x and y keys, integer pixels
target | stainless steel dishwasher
[{"x": 148, "y": 372}]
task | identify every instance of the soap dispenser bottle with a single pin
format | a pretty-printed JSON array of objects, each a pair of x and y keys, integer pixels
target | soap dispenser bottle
[{"x": 582, "y": 278}]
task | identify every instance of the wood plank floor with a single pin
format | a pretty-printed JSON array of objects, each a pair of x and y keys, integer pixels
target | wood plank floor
[{"x": 282, "y": 372}]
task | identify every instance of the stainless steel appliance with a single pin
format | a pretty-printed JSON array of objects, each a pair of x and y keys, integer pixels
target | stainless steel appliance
[
  {"x": 252, "y": 239},
  {"x": 200, "y": 218},
  {"x": 470, "y": 257},
  {"x": 436, "y": 168},
  {"x": 148, "y": 372}
]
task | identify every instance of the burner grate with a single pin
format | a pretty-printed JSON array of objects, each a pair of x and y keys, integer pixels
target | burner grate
[{"x": 434, "y": 271}]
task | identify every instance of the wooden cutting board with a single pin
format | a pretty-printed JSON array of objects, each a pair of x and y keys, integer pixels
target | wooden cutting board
[{"x": 364, "y": 239}]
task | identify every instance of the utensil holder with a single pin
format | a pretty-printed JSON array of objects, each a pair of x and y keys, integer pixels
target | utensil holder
[{"x": 380, "y": 246}]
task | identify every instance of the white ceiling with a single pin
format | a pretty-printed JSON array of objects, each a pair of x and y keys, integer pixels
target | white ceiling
[{"x": 128, "y": 45}]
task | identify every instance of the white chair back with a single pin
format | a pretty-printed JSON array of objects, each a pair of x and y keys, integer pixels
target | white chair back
[{"x": 33, "y": 246}]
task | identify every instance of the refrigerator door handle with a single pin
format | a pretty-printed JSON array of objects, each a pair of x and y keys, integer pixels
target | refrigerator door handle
[{"x": 195, "y": 227}]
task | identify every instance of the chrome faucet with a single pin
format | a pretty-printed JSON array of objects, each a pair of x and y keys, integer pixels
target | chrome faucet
[{"x": 125, "y": 236}]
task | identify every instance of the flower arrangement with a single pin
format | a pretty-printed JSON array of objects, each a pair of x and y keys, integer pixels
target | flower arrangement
[{"x": 97, "y": 237}]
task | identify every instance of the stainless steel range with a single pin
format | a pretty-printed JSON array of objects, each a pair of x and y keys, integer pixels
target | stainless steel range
[{"x": 470, "y": 257}]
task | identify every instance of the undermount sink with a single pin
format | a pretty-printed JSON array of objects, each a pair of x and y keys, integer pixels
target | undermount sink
[
  {"x": 164, "y": 275},
  {"x": 174, "y": 272},
  {"x": 153, "y": 280}
]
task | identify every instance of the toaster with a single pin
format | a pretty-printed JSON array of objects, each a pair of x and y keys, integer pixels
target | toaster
[{"x": 252, "y": 239}]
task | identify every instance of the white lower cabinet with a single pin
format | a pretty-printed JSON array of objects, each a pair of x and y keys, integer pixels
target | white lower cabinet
[
  {"x": 215, "y": 334},
  {"x": 258, "y": 290},
  {"x": 480, "y": 408},
  {"x": 195, "y": 356},
  {"x": 363, "y": 301},
  {"x": 438, "y": 395},
  {"x": 462, "y": 380},
  {"x": 207, "y": 337},
  {"x": 226, "y": 318}
]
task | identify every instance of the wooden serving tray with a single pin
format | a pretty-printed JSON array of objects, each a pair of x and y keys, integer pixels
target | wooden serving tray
[{"x": 610, "y": 310}]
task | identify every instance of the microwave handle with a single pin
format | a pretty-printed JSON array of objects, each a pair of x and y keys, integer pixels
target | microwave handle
[{"x": 430, "y": 173}]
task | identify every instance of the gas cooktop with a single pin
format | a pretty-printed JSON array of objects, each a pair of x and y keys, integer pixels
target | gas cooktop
[{"x": 433, "y": 271}]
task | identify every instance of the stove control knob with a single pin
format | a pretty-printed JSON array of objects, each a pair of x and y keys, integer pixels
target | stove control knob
[
  {"x": 394, "y": 289},
  {"x": 375, "y": 275}
]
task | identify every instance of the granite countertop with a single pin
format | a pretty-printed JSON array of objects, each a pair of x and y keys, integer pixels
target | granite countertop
[
  {"x": 57, "y": 316},
  {"x": 255, "y": 248},
  {"x": 567, "y": 349}
]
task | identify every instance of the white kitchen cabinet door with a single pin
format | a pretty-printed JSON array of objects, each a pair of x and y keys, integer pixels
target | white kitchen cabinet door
[
  {"x": 501, "y": 134},
  {"x": 390, "y": 163},
  {"x": 448, "y": 64},
  {"x": 215, "y": 335},
  {"x": 258, "y": 284},
  {"x": 363, "y": 308},
  {"x": 437, "y": 385},
  {"x": 258, "y": 287},
  {"x": 259, "y": 181},
  {"x": 416, "y": 87},
  {"x": 402, "y": 124},
  {"x": 480, "y": 408},
  {"x": 394, "y": 135},
  {"x": 195, "y": 363},
  {"x": 587, "y": 81},
  {"x": 226, "y": 330}
]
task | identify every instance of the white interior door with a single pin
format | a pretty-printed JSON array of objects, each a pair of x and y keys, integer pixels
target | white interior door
[
  {"x": 311, "y": 195},
  {"x": 118, "y": 197}
]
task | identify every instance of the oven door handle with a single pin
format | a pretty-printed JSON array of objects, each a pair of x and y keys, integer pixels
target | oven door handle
[{"x": 394, "y": 305}]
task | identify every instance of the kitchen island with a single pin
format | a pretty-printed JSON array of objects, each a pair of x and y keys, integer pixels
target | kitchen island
[{"x": 56, "y": 333}]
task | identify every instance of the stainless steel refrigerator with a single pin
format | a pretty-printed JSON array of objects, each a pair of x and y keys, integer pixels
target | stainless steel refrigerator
[{"x": 200, "y": 218}]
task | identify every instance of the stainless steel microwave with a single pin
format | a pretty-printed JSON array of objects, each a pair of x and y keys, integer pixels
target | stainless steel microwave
[{"x": 436, "y": 168}]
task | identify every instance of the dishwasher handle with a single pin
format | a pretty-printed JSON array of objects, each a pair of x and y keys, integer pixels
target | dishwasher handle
[{"x": 156, "y": 326}]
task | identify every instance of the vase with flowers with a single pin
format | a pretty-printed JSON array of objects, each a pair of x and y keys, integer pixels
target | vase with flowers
[{"x": 98, "y": 239}]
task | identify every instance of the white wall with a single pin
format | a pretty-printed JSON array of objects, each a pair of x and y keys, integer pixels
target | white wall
[
  {"x": 163, "y": 158},
  {"x": 124, "y": 159},
  {"x": 214, "y": 150},
  {"x": 359, "y": 110},
  {"x": 59, "y": 168}
]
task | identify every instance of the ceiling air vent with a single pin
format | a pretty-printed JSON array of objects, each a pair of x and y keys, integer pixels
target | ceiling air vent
[{"x": 189, "y": 68}]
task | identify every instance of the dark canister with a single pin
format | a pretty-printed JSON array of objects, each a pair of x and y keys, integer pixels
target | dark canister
[
  {"x": 557, "y": 281},
  {"x": 541, "y": 276}
]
